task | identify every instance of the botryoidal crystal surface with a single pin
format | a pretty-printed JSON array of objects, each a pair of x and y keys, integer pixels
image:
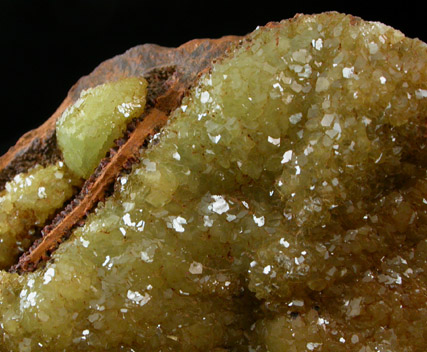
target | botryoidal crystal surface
[
  {"x": 284, "y": 208},
  {"x": 88, "y": 128}
]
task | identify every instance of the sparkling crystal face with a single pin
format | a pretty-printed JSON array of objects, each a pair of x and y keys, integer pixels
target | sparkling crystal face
[
  {"x": 87, "y": 130},
  {"x": 284, "y": 208},
  {"x": 27, "y": 202}
]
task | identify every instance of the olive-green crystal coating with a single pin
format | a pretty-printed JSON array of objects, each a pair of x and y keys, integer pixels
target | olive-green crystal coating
[
  {"x": 87, "y": 130},
  {"x": 284, "y": 208},
  {"x": 26, "y": 203}
]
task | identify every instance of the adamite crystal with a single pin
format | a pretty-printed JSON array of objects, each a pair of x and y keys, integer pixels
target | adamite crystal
[
  {"x": 283, "y": 208},
  {"x": 87, "y": 130},
  {"x": 27, "y": 202}
]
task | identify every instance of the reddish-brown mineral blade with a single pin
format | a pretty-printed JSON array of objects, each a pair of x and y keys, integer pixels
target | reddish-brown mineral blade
[
  {"x": 187, "y": 61},
  {"x": 168, "y": 82},
  {"x": 94, "y": 192}
]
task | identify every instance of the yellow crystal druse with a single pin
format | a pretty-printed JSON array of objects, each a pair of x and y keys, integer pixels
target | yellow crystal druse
[
  {"x": 27, "y": 202},
  {"x": 85, "y": 133},
  {"x": 284, "y": 208}
]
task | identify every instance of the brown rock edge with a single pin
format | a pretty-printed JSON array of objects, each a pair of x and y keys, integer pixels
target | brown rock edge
[
  {"x": 184, "y": 63},
  {"x": 170, "y": 72}
]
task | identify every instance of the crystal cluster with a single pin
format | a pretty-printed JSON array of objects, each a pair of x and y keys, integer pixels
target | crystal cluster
[
  {"x": 87, "y": 130},
  {"x": 284, "y": 207},
  {"x": 27, "y": 202}
]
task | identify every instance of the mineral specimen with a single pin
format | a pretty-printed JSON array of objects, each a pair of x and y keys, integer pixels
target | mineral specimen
[{"x": 283, "y": 207}]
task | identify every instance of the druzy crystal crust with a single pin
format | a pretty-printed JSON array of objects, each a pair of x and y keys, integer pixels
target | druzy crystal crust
[
  {"x": 27, "y": 202},
  {"x": 284, "y": 207}
]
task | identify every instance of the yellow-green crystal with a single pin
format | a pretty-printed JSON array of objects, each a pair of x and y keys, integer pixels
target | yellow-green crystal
[
  {"x": 284, "y": 208},
  {"x": 87, "y": 130},
  {"x": 26, "y": 203}
]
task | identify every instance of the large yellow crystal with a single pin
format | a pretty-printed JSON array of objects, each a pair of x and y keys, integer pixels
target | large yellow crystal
[
  {"x": 283, "y": 209},
  {"x": 87, "y": 130}
]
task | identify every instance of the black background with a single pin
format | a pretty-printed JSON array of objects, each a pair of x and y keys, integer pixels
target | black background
[{"x": 47, "y": 45}]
